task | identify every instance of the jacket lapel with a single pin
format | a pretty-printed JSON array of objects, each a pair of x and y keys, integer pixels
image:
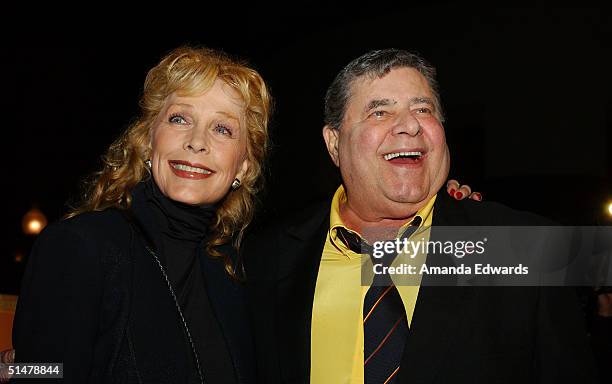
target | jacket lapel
[
  {"x": 440, "y": 310},
  {"x": 300, "y": 250}
]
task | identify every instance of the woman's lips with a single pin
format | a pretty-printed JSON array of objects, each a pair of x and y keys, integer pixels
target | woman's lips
[{"x": 189, "y": 170}]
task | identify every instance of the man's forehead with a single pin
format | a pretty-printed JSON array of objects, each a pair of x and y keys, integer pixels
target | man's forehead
[{"x": 399, "y": 82}]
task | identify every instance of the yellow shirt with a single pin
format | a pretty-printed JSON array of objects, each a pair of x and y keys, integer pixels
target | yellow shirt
[{"x": 337, "y": 316}]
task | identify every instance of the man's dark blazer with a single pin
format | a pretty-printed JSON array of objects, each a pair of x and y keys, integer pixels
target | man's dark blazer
[
  {"x": 458, "y": 334},
  {"x": 93, "y": 298}
]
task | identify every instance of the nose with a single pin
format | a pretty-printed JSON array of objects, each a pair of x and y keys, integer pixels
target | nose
[
  {"x": 407, "y": 123},
  {"x": 197, "y": 141}
]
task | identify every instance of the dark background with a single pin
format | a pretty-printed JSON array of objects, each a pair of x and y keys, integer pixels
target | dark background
[{"x": 525, "y": 91}]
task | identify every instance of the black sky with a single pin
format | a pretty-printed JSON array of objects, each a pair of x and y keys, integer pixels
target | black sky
[{"x": 526, "y": 94}]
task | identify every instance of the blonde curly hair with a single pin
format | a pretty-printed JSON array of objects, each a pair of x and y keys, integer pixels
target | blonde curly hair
[{"x": 189, "y": 71}]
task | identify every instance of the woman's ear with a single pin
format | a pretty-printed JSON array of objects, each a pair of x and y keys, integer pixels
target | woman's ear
[{"x": 243, "y": 169}]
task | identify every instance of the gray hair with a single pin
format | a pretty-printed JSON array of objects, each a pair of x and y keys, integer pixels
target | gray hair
[{"x": 374, "y": 64}]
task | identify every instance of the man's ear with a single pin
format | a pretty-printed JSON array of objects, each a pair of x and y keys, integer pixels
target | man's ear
[{"x": 331, "y": 141}]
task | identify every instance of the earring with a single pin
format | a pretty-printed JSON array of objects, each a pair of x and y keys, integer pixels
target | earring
[
  {"x": 235, "y": 184},
  {"x": 148, "y": 163}
]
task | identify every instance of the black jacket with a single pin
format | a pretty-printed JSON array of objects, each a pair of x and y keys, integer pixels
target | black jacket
[
  {"x": 458, "y": 334},
  {"x": 93, "y": 298}
]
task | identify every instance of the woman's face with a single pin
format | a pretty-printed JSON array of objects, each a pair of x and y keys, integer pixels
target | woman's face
[{"x": 199, "y": 145}]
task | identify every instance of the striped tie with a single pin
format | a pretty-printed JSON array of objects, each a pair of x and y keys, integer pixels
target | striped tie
[
  {"x": 385, "y": 329},
  {"x": 385, "y": 326}
]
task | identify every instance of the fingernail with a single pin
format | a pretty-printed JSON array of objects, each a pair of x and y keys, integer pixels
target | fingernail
[
  {"x": 478, "y": 196},
  {"x": 458, "y": 195},
  {"x": 452, "y": 192}
]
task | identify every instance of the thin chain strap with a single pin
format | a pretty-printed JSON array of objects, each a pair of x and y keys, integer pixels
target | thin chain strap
[{"x": 178, "y": 308}]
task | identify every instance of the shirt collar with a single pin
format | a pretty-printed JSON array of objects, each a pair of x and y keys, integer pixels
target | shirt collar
[{"x": 335, "y": 221}]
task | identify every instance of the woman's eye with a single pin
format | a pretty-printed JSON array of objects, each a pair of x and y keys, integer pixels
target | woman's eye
[
  {"x": 223, "y": 130},
  {"x": 177, "y": 119}
]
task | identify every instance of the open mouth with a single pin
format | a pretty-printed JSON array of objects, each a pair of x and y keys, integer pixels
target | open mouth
[
  {"x": 405, "y": 158},
  {"x": 188, "y": 170},
  {"x": 397, "y": 156}
]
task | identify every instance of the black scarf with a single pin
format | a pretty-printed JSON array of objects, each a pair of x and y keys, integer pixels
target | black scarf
[{"x": 179, "y": 232}]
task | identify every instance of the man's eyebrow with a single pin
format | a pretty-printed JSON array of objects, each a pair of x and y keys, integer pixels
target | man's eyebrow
[
  {"x": 421, "y": 100},
  {"x": 379, "y": 103}
]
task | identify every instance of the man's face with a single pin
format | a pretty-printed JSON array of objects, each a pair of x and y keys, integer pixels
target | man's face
[{"x": 391, "y": 147}]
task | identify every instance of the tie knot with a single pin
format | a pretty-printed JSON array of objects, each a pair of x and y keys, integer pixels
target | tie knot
[{"x": 358, "y": 245}]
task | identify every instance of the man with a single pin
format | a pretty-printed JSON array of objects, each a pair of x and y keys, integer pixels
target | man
[{"x": 316, "y": 323}]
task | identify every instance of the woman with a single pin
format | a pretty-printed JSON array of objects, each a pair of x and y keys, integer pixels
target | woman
[{"x": 139, "y": 284}]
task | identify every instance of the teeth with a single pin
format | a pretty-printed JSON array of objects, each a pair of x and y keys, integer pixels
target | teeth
[
  {"x": 187, "y": 168},
  {"x": 391, "y": 156}
]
